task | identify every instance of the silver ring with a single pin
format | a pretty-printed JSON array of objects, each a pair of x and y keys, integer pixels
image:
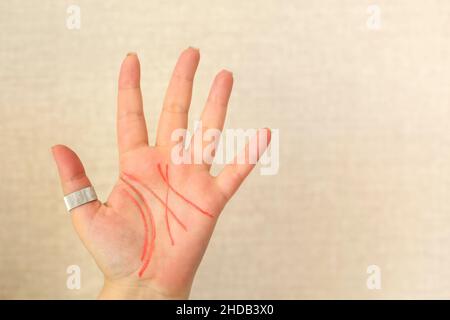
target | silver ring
[{"x": 80, "y": 197}]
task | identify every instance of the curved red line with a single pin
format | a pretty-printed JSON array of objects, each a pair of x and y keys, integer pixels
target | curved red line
[
  {"x": 167, "y": 203},
  {"x": 152, "y": 243},
  {"x": 129, "y": 176},
  {"x": 141, "y": 211},
  {"x": 181, "y": 196}
]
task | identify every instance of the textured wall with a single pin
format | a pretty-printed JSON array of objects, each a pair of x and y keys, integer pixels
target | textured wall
[{"x": 364, "y": 139}]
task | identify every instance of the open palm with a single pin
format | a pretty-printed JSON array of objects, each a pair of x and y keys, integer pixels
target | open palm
[{"x": 148, "y": 238}]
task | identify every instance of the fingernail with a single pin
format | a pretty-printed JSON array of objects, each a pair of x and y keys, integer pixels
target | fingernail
[
  {"x": 131, "y": 54},
  {"x": 194, "y": 48},
  {"x": 227, "y": 71}
]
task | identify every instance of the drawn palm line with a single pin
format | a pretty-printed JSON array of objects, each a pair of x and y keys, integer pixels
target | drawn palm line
[{"x": 147, "y": 251}]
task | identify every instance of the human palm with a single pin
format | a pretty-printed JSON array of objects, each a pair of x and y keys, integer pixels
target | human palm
[{"x": 148, "y": 238}]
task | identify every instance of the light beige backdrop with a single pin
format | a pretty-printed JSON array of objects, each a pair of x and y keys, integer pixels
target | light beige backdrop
[{"x": 364, "y": 139}]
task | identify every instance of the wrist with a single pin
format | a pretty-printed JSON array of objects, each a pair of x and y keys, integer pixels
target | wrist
[{"x": 123, "y": 290}]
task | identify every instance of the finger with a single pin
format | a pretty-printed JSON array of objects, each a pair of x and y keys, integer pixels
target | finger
[
  {"x": 213, "y": 116},
  {"x": 131, "y": 127},
  {"x": 233, "y": 174},
  {"x": 174, "y": 114},
  {"x": 73, "y": 178}
]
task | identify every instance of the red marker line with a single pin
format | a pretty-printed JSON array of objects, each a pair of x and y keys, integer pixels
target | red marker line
[
  {"x": 167, "y": 203},
  {"x": 129, "y": 176},
  {"x": 152, "y": 245},
  {"x": 152, "y": 222},
  {"x": 141, "y": 211},
  {"x": 181, "y": 196}
]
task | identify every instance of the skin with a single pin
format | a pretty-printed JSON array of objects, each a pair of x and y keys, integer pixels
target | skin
[{"x": 114, "y": 232}]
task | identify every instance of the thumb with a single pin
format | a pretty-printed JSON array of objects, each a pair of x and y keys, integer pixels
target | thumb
[{"x": 73, "y": 178}]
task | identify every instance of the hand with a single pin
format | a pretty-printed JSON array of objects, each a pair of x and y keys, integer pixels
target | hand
[{"x": 149, "y": 236}]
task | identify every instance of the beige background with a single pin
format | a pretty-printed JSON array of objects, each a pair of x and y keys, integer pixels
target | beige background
[{"x": 364, "y": 139}]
